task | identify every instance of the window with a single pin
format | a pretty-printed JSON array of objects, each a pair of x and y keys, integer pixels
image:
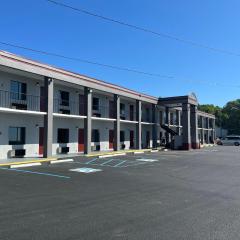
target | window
[
  {"x": 95, "y": 104},
  {"x": 131, "y": 112},
  {"x": 122, "y": 109},
  {"x": 147, "y": 115},
  {"x": 171, "y": 118},
  {"x": 164, "y": 117},
  {"x": 233, "y": 138},
  {"x": 95, "y": 135},
  {"x": 16, "y": 135},
  {"x": 64, "y": 98},
  {"x": 161, "y": 117},
  {"x": 18, "y": 90},
  {"x": 122, "y": 136},
  {"x": 63, "y": 135}
]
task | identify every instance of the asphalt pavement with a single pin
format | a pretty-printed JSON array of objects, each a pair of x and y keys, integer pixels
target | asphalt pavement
[{"x": 165, "y": 195}]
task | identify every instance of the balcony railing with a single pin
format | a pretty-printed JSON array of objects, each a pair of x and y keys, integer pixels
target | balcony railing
[
  {"x": 21, "y": 101},
  {"x": 102, "y": 111},
  {"x": 68, "y": 107},
  {"x": 146, "y": 118},
  {"x": 29, "y": 102},
  {"x": 128, "y": 115}
]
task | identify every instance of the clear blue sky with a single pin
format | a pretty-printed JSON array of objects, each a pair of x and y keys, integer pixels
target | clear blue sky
[{"x": 42, "y": 25}]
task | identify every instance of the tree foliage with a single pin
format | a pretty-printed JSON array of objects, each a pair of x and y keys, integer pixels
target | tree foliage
[{"x": 227, "y": 117}]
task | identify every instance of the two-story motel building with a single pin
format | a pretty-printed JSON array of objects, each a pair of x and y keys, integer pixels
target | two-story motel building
[{"x": 46, "y": 111}]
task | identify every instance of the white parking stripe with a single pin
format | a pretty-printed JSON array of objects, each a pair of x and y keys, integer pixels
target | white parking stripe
[
  {"x": 25, "y": 165},
  {"x": 147, "y": 160},
  {"x": 61, "y": 161},
  {"x": 85, "y": 170}
]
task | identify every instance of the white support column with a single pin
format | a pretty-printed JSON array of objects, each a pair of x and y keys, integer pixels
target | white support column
[
  {"x": 213, "y": 129},
  {"x": 178, "y": 112},
  {"x": 208, "y": 134},
  {"x": 139, "y": 124},
  {"x": 202, "y": 129},
  {"x": 116, "y": 143},
  {"x": 48, "y": 118},
  {"x": 88, "y": 120},
  {"x": 186, "y": 126},
  {"x": 168, "y": 124},
  {"x": 194, "y": 127},
  {"x": 154, "y": 127}
]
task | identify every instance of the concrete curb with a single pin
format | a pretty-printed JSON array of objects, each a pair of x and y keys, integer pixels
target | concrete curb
[
  {"x": 117, "y": 152},
  {"x": 32, "y": 161}
]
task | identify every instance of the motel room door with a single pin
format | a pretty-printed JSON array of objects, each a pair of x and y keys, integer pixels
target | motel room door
[
  {"x": 148, "y": 139},
  {"x": 131, "y": 139},
  {"x": 40, "y": 148},
  {"x": 80, "y": 140},
  {"x": 111, "y": 138}
]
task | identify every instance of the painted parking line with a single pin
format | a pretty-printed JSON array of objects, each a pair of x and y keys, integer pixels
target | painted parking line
[
  {"x": 91, "y": 161},
  {"x": 85, "y": 170},
  {"x": 121, "y": 163},
  {"x": 147, "y": 160},
  {"x": 102, "y": 164},
  {"x": 33, "y": 172},
  {"x": 134, "y": 164}
]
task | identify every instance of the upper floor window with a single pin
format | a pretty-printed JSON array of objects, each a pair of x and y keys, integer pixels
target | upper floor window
[
  {"x": 147, "y": 114},
  {"x": 95, "y": 104},
  {"x": 171, "y": 118},
  {"x": 64, "y": 98},
  {"x": 16, "y": 135},
  {"x": 122, "y": 109},
  {"x": 18, "y": 90},
  {"x": 161, "y": 117}
]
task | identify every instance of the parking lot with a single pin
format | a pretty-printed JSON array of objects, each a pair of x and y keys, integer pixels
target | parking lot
[{"x": 164, "y": 195}]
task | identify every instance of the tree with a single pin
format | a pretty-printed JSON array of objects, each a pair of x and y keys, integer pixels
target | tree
[
  {"x": 227, "y": 117},
  {"x": 232, "y": 110},
  {"x": 221, "y": 117}
]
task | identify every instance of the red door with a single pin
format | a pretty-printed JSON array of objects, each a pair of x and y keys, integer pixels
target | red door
[
  {"x": 131, "y": 112},
  {"x": 40, "y": 148},
  {"x": 80, "y": 140},
  {"x": 131, "y": 139},
  {"x": 111, "y": 137}
]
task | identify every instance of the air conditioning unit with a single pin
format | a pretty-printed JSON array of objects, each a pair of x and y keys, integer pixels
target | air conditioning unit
[
  {"x": 63, "y": 150},
  {"x": 95, "y": 148},
  {"x": 64, "y": 111},
  {"x": 16, "y": 153},
  {"x": 20, "y": 106},
  {"x": 96, "y": 114}
]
